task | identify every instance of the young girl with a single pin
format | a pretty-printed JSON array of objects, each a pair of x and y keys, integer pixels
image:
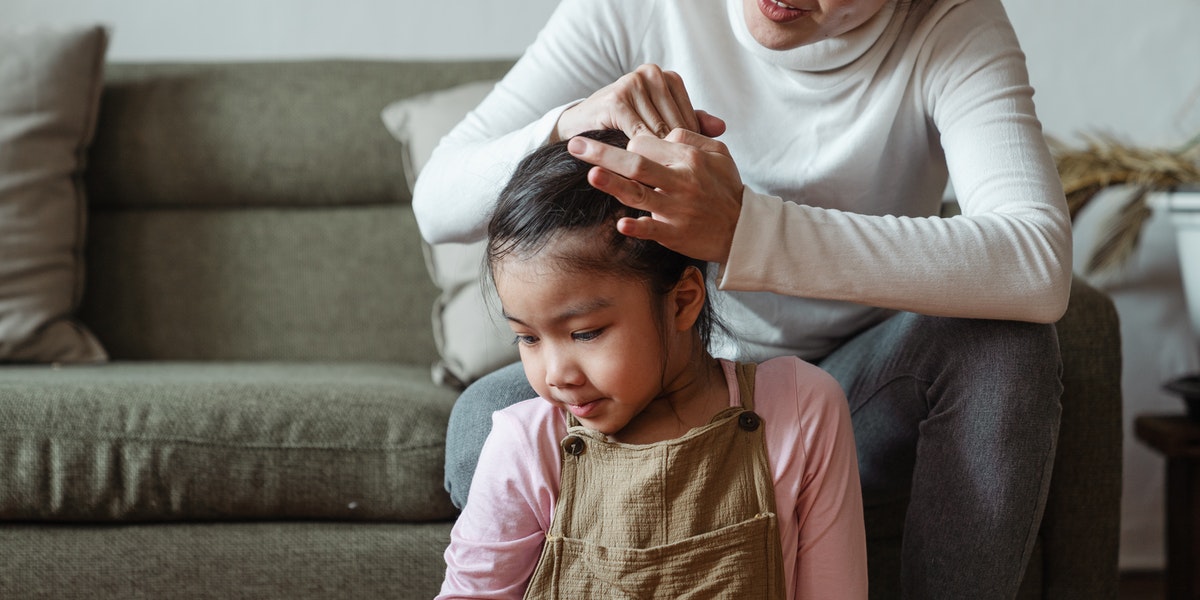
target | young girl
[{"x": 645, "y": 468}]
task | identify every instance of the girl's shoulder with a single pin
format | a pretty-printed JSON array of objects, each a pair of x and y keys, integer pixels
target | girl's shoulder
[
  {"x": 790, "y": 390},
  {"x": 796, "y": 373},
  {"x": 530, "y": 421},
  {"x": 533, "y": 408}
]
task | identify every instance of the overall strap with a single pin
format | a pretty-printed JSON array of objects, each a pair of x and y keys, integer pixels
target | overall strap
[{"x": 745, "y": 375}]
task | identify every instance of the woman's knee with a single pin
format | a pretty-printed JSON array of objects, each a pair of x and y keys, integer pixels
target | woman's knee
[
  {"x": 1008, "y": 367},
  {"x": 1005, "y": 365},
  {"x": 981, "y": 348},
  {"x": 471, "y": 422},
  {"x": 496, "y": 390}
]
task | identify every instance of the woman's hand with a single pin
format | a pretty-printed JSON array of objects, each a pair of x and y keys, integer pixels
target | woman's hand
[
  {"x": 647, "y": 101},
  {"x": 688, "y": 182}
]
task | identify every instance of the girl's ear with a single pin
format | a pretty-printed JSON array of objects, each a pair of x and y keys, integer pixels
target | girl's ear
[{"x": 687, "y": 299}]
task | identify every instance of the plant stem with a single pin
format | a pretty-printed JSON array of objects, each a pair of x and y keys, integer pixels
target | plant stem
[{"x": 1190, "y": 144}]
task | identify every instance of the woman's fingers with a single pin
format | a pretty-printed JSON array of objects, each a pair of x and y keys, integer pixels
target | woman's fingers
[
  {"x": 688, "y": 182},
  {"x": 643, "y": 228},
  {"x": 629, "y": 165},
  {"x": 678, "y": 146},
  {"x": 710, "y": 125},
  {"x": 636, "y": 116},
  {"x": 686, "y": 117},
  {"x": 658, "y": 100},
  {"x": 647, "y": 100},
  {"x": 671, "y": 168}
]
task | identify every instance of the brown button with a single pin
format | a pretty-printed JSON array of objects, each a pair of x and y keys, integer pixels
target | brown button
[
  {"x": 749, "y": 421},
  {"x": 574, "y": 445}
]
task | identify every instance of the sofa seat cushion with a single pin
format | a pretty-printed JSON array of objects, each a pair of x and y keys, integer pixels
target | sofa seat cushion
[
  {"x": 275, "y": 560},
  {"x": 263, "y": 560},
  {"x": 163, "y": 441}
]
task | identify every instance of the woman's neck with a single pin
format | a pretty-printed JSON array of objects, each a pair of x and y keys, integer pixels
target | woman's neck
[{"x": 689, "y": 400}]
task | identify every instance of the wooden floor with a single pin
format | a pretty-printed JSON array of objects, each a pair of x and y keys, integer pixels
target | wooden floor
[{"x": 1147, "y": 585}]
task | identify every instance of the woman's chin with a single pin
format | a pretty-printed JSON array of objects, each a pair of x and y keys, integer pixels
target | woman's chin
[{"x": 774, "y": 36}]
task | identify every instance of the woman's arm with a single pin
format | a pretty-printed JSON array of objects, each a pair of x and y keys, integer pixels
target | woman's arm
[
  {"x": 584, "y": 47},
  {"x": 1008, "y": 256},
  {"x": 961, "y": 90},
  {"x": 498, "y": 538}
]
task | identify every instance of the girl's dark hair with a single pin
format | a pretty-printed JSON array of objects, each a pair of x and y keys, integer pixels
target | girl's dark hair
[{"x": 548, "y": 195}]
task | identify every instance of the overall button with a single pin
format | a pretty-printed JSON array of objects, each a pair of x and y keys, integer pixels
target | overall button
[
  {"x": 749, "y": 421},
  {"x": 574, "y": 445}
]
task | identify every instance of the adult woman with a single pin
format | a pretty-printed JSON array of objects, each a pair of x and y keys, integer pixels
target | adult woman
[{"x": 840, "y": 121}]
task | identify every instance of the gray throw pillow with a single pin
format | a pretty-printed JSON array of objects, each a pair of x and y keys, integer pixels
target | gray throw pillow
[
  {"x": 50, "y": 83},
  {"x": 472, "y": 340}
]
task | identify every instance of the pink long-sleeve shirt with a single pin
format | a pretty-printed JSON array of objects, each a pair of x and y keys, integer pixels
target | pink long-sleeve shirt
[{"x": 498, "y": 539}]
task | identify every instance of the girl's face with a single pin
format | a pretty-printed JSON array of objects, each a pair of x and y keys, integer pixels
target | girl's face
[
  {"x": 787, "y": 24},
  {"x": 592, "y": 343}
]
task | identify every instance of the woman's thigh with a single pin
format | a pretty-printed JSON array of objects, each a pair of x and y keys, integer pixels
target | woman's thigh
[{"x": 973, "y": 382}]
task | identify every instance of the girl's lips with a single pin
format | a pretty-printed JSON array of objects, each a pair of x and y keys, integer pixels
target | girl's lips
[
  {"x": 779, "y": 12},
  {"x": 583, "y": 411}
]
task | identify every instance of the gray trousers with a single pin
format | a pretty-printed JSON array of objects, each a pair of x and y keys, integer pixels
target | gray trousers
[{"x": 955, "y": 422}]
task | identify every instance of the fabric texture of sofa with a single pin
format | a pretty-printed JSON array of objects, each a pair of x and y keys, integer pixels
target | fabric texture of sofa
[{"x": 267, "y": 424}]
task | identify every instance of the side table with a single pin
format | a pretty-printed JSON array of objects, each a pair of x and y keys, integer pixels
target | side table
[{"x": 1177, "y": 438}]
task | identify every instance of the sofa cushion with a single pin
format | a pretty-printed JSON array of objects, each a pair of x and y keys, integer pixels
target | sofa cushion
[
  {"x": 50, "y": 82},
  {"x": 240, "y": 561},
  {"x": 219, "y": 441},
  {"x": 319, "y": 284},
  {"x": 471, "y": 340},
  {"x": 301, "y": 133},
  {"x": 272, "y": 560}
]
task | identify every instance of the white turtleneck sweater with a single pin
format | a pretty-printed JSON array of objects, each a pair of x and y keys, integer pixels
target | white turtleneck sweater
[{"x": 844, "y": 146}]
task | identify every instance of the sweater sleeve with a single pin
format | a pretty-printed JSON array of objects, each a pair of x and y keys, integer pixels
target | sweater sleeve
[
  {"x": 585, "y": 46},
  {"x": 497, "y": 540},
  {"x": 1008, "y": 256}
]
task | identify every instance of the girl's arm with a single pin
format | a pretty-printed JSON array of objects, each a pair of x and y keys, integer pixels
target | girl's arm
[
  {"x": 831, "y": 557},
  {"x": 498, "y": 538}
]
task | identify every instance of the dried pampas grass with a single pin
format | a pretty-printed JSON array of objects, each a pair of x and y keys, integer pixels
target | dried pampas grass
[{"x": 1104, "y": 162}]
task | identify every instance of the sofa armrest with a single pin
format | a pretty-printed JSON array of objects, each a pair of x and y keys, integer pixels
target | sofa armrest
[{"x": 1081, "y": 526}]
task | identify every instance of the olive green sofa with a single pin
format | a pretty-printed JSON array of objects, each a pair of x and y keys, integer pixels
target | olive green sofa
[{"x": 267, "y": 426}]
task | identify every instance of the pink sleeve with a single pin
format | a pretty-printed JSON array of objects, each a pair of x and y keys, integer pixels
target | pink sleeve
[
  {"x": 818, "y": 450},
  {"x": 497, "y": 540},
  {"x": 832, "y": 561}
]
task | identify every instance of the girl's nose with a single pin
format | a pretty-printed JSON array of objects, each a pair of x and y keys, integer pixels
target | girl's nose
[{"x": 563, "y": 371}]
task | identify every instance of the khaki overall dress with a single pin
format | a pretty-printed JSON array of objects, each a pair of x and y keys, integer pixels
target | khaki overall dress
[{"x": 691, "y": 517}]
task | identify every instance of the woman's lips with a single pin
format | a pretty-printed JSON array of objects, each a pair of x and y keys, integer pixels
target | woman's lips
[{"x": 779, "y": 12}]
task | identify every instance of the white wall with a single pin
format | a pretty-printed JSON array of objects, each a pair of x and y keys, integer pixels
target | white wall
[
  {"x": 266, "y": 29},
  {"x": 1130, "y": 69},
  {"x": 1098, "y": 65}
]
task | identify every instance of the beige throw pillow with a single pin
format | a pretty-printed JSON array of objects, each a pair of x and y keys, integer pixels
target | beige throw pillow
[
  {"x": 50, "y": 82},
  {"x": 471, "y": 339}
]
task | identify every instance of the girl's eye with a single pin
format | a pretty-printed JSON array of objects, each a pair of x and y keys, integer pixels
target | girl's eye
[
  {"x": 525, "y": 340},
  {"x": 586, "y": 336}
]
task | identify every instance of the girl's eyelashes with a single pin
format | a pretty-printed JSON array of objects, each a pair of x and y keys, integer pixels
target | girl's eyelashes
[
  {"x": 587, "y": 336},
  {"x": 578, "y": 336}
]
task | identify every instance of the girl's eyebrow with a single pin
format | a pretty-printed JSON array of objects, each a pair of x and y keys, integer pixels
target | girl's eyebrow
[{"x": 569, "y": 312}]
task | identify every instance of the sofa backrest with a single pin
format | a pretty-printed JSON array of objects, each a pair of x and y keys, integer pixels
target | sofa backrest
[{"x": 258, "y": 211}]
